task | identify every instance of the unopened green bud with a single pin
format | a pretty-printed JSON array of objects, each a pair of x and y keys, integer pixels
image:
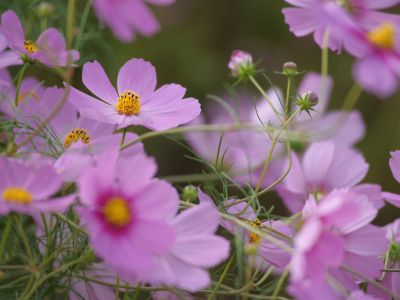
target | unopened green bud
[
  {"x": 307, "y": 101},
  {"x": 290, "y": 68},
  {"x": 394, "y": 251},
  {"x": 189, "y": 193},
  {"x": 90, "y": 257},
  {"x": 45, "y": 9}
]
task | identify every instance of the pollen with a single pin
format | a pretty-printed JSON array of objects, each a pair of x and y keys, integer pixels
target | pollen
[
  {"x": 31, "y": 46},
  {"x": 128, "y": 103},
  {"x": 255, "y": 238},
  {"x": 17, "y": 195},
  {"x": 383, "y": 36},
  {"x": 76, "y": 135},
  {"x": 117, "y": 212},
  {"x": 26, "y": 94}
]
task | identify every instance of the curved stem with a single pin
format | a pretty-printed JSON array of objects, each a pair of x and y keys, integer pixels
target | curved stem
[
  {"x": 16, "y": 100},
  {"x": 266, "y": 275},
  {"x": 70, "y": 223},
  {"x": 4, "y": 236},
  {"x": 222, "y": 277},
  {"x": 280, "y": 282},
  {"x": 386, "y": 264}
]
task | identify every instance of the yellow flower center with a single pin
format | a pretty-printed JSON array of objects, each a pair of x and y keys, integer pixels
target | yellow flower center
[
  {"x": 383, "y": 36},
  {"x": 255, "y": 238},
  {"x": 25, "y": 94},
  {"x": 117, "y": 212},
  {"x": 17, "y": 195},
  {"x": 128, "y": 103},
  {"x": 31, "y": 46},
  {"x": 76, "y": 135}
]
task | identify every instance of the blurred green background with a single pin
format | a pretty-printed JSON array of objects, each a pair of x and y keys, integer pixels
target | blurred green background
[{"x": 193, "y": 49}]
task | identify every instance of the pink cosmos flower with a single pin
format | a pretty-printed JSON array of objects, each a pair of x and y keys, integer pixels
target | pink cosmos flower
[
  {"x": 124, "y": 217},
  {"x": 322, "y": 169},
  {"x": 136, "y": 102},
  {"x": 267, "y": 250},
  {"x": 118, "y": 16},
  {"x": 306, "y": 17},
  {"x": 7, "y": 57},
  {"x": 239, "y": 59},
  {"x": 394, "y": 163},
  {"x": 49, "y": 49},
  {"x": 336, "y": 231},
  {"x": 196, "y": 247},
  {"x": 27, "y": 189},
  {"x": 66, "y": 129},
  {"x": 8, "y": 91},
  {"x": 392, "y": 279}
]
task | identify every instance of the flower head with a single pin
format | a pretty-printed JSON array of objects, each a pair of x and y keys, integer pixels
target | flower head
[
  {"x": 26, "y": 188},
  {"x": 49, "y": 49},
  {"x": 307, "y": 101},
  {"x": 136, "y": 102},
  {"x": 7, "y": 57},
  {"x": 241, "y": 64}
]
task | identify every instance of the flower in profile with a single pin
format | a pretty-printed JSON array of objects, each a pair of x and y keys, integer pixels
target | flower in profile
[
  {"x": 241, "y": 65},
  {"x": 124, "y": 218},
  {"x": 306, "y": 18},
  {"x": 394, "y": 163},
  {"x": 7, "y": 57},
  {"x": 267, "y": 250},
  {"x": 67, "y": 129},
  {"x": 136, "y": 102},
  {"x": 118, "y": 17},
  {"x": 336, "y": 231},
  {"x": 27, "y": 189},
  {"x": 391, "y": 279},
  {"x": 322, "y": 169},
  {"x": 195, "y": 247},
  {"x": 49, "y": 49},
  {"x": 29, "y": 86}
]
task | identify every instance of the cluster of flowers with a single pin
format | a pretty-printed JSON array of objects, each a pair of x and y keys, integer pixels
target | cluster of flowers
[{"x": 138, "y": 229}]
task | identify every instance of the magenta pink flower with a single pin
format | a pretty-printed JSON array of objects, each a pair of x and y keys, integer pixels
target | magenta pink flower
[
  {"x": 124, "y": 217},
  {"x": 239, "y": 60},
  {"x": 118, "y": 16},
  {"x": 26, "y": 188},
  {"x": 394, "y": 163},
  {"x": 267, "y": 250},
  {"x": 136, "y": 102},
  {"x": 306, "y": 17},
  {"x": 322, "y": 169},
  {"x": 336, "y": 231},
  {"x": 49, "y": 49},
  {"x": 7, "y": 57},
  {"x": 392, "y": 279}
]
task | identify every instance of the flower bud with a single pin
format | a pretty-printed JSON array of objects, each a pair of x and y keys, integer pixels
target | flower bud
[
  {"x": 311, "y": 97},
  {"x": 189, "y": 193},
  {"x": 289, "y": 68},
  {"x": 89, "y": 255},
  {"x": 241, "y": 64},
  {"x": 45, "y": 9},
  {"x": 394, "y": 252},
  {"x": 250, "y": 249}
]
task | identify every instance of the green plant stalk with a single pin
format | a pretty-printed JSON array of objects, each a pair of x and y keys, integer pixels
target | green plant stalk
[
  {"x": 127, "y": 291},
  {"x": 70, "y": 22},
  {"x": 248, "y": 275},
  {"x": 19, "y": 84},
  {"x": 265, "y": 277},
  {"x": 123, "y": 136},
  {"x": 280, "y": 283},
  {"x": 56, "y": 271},
  {"x": 391, "y": 270},
  {"x": 43, "y": 24},
  {"x": 352, "y": 97},
  {"x": 4, "y": 236},
  {"x": 386, "y": 264},
  {"x": 222, "y": 277},
  {"x": 25, "y": 240},
  {"x": 324, "y": 64},
  {"x": 70, "y": 223},
  {"x": 288, "y": 96},
  {"x": 265, "y": 96},
  {"x": 48, "y": 235},
  {"x": 117, "y": 289},
  {"x": 85, "y": 13},
  {"x": 137, "y": 292}
]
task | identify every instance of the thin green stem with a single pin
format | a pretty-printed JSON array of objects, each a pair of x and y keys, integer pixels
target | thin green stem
[
  {"x": 248, "y": 275},
  {"x": 70, "y": 223},
  {"x": 123, "y": 136},
  {"x": 391, "y": 270},
  {"x": 85, "y": 13},
  {"x": 117, "y": 289},
  {"x": 43, "y": 24},
  {"x": 221, "y": 278},
  {"x": 25, "y": 240},
  {"x": 70, "y": 22},
  {"x": 137, "y": 292},
  {"x": 12, "y": 284},
  {"x": 265, "y": 277},
  {"x": 280, "y": 283},
  {"x": 4, "y": 236},
  {"x": 126, "y": 292},
  {"x": 386, "y": 264},
  {"x": 19, "y": 84},
  {"x": 288, "y": 96},
  {"x": 324, "y": 64},
  {"x": 352, "y": 97}
]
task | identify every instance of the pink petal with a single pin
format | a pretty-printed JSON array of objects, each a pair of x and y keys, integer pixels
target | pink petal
[
  {"x": 52, "y": 41},
  {"x": 367, "y": 241},
  {"x": 44, "y": 182},
  {"x": 381, "y": 4},
  {"x": 391, "y": 198},
  {"x": 295, "y": 181},
  {"x": 11, "y": 28},
  {"x": 301, "y": 21},
  {"x": 394, "y": 164}
]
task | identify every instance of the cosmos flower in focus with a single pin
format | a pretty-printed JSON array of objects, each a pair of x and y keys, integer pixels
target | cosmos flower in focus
[
  {"x": 136, "y": 102},
  {"x": 49, "y": 49}
]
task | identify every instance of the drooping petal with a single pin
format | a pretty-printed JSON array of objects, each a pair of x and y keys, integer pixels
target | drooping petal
[
  {"x": 301, "y": 21},
  {"x": 11, "y": 28}
]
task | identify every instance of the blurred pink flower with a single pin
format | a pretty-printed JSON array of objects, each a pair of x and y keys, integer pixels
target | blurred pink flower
[
  {"x": 306, "y": 17},
  {"x": 394, "y": 163},
  {"x": 322, "y": 169},
  {"x": 26, "y": 188},
  {"x": 239, "y": 59},
  {"x": 137, "y": 103},
  {"x": 124, "y": 217},
  {"x": 50, "y": 48},
  {"x": 7, "y": 57},
  {"x": 336, "y": 231},
  {"x": 126, "y": 17}
]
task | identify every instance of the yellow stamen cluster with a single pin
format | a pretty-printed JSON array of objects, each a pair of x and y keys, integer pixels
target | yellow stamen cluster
[
  {"x": 76, "y": 135},
  {"x": 117, "y": 212},
  {"x": 17, "y": 195},
  {"x": 26, "y": 94},
  {"x": 128, "y": 103},
  {"x": 383, "y": 36},
  {"x": 31, "y": 46},
  {"x": 255, "y": 238}
]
